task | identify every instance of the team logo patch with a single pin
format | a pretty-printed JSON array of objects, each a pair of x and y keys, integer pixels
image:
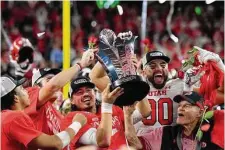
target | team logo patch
[
  {"x": 80, "y": 81},
  {"x": 156, "y": 54},
  {"x": 46, "y": 69}
]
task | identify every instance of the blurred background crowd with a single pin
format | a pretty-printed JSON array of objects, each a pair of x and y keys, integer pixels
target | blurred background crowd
[{"x": 194, "y": 23}]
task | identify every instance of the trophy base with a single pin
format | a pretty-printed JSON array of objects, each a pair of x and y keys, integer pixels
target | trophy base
[{"x": 135, "y": 89}]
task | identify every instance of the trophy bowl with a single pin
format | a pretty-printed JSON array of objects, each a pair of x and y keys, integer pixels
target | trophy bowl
[{"x": 135, "y": 89}]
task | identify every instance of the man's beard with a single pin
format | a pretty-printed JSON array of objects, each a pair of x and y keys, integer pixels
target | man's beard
[
  {"x": 88, "y": 109},
  {"x": 158, "y": 86}
]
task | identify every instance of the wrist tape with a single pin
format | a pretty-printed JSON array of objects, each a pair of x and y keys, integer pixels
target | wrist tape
[
  {"x": 107, "y": 108},
  {"x": 75, "y": 126},
  {"x": 65, "y": 137}
]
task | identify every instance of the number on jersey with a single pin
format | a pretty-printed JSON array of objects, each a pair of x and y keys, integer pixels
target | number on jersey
[{"x": 164, "y": 105}]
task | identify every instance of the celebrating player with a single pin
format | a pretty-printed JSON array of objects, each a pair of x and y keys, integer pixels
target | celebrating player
[
  {"x": 44, "y": 115},
  {"x": 102, "y": 121},
  {"x": 18, "y": 130},
  {"x": 162, "y": 91}
]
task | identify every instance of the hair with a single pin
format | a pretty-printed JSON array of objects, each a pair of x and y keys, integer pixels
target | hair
[{"x": 8, "y": 100}]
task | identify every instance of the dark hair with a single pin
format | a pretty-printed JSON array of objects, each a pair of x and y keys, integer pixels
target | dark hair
[{"x": 8, "y": 100}]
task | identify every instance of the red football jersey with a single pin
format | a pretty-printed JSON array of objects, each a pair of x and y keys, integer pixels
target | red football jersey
[
  {"x": 17, "y": 130},
  {"x": 46, "y": 119},
  {"x": 93, "y": 121}
]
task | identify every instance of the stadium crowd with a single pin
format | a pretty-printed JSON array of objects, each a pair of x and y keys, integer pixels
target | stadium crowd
[{"x": 27, "y": 19}]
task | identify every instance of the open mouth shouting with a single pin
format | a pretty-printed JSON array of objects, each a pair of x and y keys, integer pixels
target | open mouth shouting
[{"x": 158, "y": 78}]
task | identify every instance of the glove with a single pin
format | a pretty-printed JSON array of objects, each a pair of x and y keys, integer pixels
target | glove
[
  {"x": 191, "y": 76},
  {"x": 205, "y": 56}
]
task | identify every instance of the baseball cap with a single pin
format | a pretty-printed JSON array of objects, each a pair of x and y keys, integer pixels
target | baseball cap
[
  {"x": 42, "y": 72},
  {"x": 193, "y": 98},
  {"x": 8, "y": 84},
  {"x": 78, "y": 83},
  {"x": 154, "y": 55}
]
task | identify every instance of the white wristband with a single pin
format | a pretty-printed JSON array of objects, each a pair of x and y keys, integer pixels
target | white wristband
[
  {"x": 107, "y": 108},
  {"x": 75, "y": 126},
  {"x": 64, "y": 137}
]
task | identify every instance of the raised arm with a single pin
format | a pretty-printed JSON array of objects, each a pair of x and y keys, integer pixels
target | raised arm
[
  {"x": 99, "y": 77},
  {"x": 143, "y": 107},
  {"x": 62, "y": 139},
  {"x": 129, "y": 127},
  {"x": 104, "y": 131},
  {"x": 61, "y": 79}
]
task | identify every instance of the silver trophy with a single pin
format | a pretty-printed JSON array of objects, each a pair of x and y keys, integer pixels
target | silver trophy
[{"x": 115, "y": 56}]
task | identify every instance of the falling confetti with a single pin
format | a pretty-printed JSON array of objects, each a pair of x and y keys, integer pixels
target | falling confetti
[{"x": 39, "y": 35}]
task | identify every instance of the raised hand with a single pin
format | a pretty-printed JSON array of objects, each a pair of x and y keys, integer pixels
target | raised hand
[
  {"x": 110, "y": 97},
  {"x": 88, "y": 57},
  {"x": 80, "y": 118}
]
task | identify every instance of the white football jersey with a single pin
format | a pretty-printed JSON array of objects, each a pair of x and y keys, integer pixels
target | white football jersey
[{"x": 164, "y": 109}]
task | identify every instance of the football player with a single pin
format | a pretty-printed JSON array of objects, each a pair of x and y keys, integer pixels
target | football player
[{"x": 105, "y": 127}]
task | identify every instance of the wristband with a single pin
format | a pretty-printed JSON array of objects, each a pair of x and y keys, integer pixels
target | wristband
[
  {"x": 107, "y": 108},
  {"x": 64, "y": 137},
  {"x": 75, "y": 126},
  {"x": 78, "y": 64}
]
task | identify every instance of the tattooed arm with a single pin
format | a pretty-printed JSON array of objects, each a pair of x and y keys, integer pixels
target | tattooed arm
[{"x": 129, "y": 127}]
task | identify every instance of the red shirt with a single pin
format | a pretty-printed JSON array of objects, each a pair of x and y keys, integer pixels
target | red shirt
[
  {"x": 93, "y": 121},
  {"x": 17, "y": 130},
  {"x": 46, "y": 119}
]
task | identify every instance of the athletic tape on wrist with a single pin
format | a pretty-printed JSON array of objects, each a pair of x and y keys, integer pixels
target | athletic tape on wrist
[
  {"x": 75, "y": 126},
  {"x": 64, "y": 137},
  {"x": 107, "y": 108}
]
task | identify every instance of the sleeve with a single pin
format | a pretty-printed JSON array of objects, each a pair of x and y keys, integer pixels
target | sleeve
[
  {"x": 152, "y": 140},
  {"x": 33, "y": 93},
  {"x": 89, "y": 137},
  {"x": 22, "y": 130},
  {"x": 119, "y": 112}
]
